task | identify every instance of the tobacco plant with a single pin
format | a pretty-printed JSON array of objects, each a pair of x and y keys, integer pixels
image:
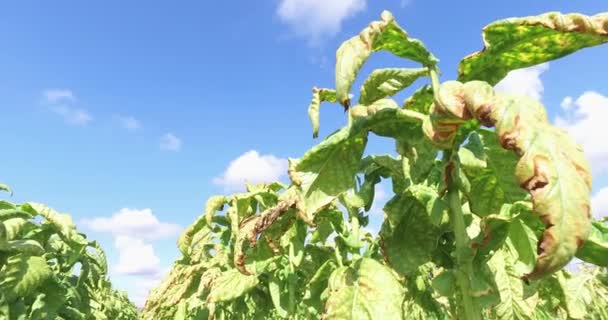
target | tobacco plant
[
  {"x": 48, "y": 270},
  {"x": 489, "y": 203}
]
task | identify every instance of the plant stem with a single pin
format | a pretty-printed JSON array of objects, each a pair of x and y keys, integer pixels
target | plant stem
[
  {"x": 434, "y": 81},
  {"x": 463, "y": 256}
]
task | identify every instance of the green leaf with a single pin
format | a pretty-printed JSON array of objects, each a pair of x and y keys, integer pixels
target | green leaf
[
  {"x": 329, "y": 169},
  {"x": 11, "y": 213},
  {"x": 367, "y": 290},
  {"x": 385, "y": 34},
  {"x": 30, "y": 247},
  {"x": 421, "y": 100},
  {"x": 61, "y": 222},
  {"x": 573, "y": 289},
  {"x": 16, "y": 226},
  {"x": 408, "y": 234},
  {"x": 595, "y": 248},
  {"x": 230, "y": 285},
  {"x": 515, "y": 43},
  {"x": 489, "y": 169},
  {"x": 383, "y": 83},
  {"x": 513, "y": 304},
  {"x": 319, "y": 95},
  {"x": 22, "y": 275},
  {"x": 523, "y": 243},
  {"x": 445, "y": 283}
]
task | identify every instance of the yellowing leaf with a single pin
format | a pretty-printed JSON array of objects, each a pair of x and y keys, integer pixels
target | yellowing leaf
[{"x": 523, "y": 42}]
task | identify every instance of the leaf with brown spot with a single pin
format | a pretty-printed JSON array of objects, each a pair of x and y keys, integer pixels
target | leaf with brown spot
[{"x": 521, "y": 42}]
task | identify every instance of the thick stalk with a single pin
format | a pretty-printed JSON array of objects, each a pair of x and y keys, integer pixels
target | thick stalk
[{"x": 464, "y": 259}]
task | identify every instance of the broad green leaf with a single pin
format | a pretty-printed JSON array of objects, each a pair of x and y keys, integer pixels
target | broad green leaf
[
  {"x": 489, "y": 169},
  {"x": 22, "y": 275},
  {"x": 516, "y": 43},
  {"x": 408, "y": 234},
  {"x": 384, "y": 83},
  {"x": 329, "y": 168},
  {"x": 319, "y": 95},
  {"x": 513, "y": 304},
  {"x": 27, "y": 246},
  {"x": 367, "y": 290},
  {"x": 595, "y": 248},
  {"x": 385, "y": 34},
  {"x": 230, "y": 285},
  {"x": 523, "y": 243}
]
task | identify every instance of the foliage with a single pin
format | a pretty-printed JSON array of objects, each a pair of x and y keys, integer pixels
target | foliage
[
  {"x": 48, "y": 270},
  {"x": 490, "y": 201}
]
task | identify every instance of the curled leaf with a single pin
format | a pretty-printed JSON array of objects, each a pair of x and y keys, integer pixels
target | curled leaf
[
  {"x": 552, "y": 167},
  {"x": 319, "y": 95},
  {"x": 384, "y": 34}
]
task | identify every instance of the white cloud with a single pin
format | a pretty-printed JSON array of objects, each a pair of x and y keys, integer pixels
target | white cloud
[
  {"x": 58, "y": 95},
  {"x": 317, "y": 18},
  {"x": 405, "y": 3},
  {"x": 133, "y": 223},
  {"x": 585, "y": 121},
  {"x": 599, "y": 203},
  {"x": 129, "y": 122},
  {"x": 524, "y": 81},
  {"x": 135, "y": 257},
  {"x": 567, "y": 103},
  {"x": 251, "y": 167},
  {"x": 133, "y": 231},
  {"x": 170, "y": 142},
  {"x": 75, "y": 116},
  {"x": 61, "y": 102}
]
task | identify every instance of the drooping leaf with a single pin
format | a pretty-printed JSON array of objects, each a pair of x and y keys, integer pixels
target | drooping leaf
[
  {"x": 319, "y": 95},
  {"x": 552, "y": 167},
  {"x": 385, "y": 34},
  {"x": 366, "y": 291},
  {"x": 384, "y": 83},
  {"x": 516, "y": 43}
]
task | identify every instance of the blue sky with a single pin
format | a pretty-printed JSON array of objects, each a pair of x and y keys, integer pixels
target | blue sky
[{"x": 129, "y": 115}]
